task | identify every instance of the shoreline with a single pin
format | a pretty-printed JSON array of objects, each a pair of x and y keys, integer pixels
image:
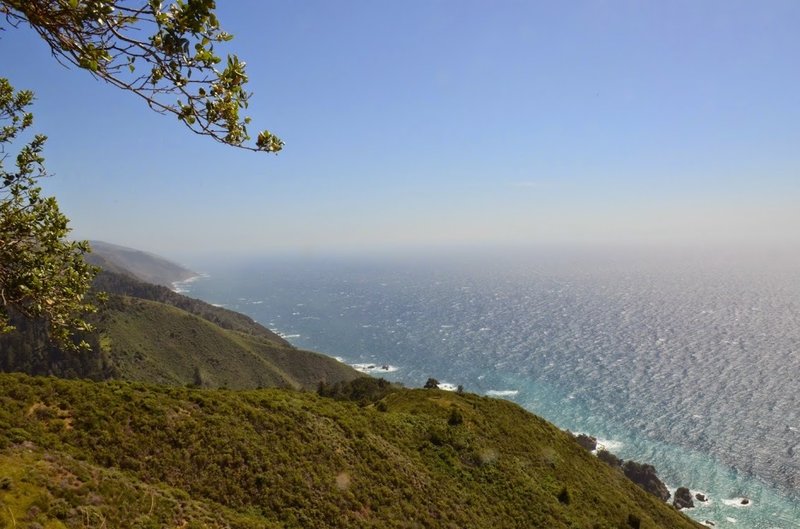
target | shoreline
[{"x": 177, "y": 286}]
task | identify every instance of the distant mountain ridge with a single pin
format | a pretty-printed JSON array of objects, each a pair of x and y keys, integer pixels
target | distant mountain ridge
[
  {"x": 148, "y": 333},
  {"x": 144, "y": 266},
  {"x": 125, "y": 284}
]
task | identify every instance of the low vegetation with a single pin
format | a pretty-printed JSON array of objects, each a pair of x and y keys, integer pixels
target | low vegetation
[
  {"x": 148, "y": 333},
  {"x": 122, "y": 454}
]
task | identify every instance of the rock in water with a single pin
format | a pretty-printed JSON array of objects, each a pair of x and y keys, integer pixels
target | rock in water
[
  {"x": 645, "y": 476},
  {"x": 683, "y": 499},
  {"x": 701, "y": 497}
]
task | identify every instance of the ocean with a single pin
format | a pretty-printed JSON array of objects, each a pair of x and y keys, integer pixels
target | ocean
[{"x": 687, "y": 360}]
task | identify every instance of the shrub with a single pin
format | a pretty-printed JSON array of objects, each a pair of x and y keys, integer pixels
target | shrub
[
  {"x": 455, "y": 417},
  {"x": 608, "y": 458},
  {"x": 563, "y": 496}
]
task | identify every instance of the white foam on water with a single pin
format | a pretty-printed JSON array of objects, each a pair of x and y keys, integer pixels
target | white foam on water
[
  {"x": 502, "y": 392},
  {"x": 374, "y": 368},
  {"x": 737, "y": 502},
  {"x": 609, "y": 445},
  {"x": 698, "y": 503}
]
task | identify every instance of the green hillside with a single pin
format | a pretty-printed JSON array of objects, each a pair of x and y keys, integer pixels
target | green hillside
[
  {"x": 120, "y": 454},
  {"x": 149, "y": 341},
  {"x": 124, "y": 284},
  {"x": 149, "y": 333}
]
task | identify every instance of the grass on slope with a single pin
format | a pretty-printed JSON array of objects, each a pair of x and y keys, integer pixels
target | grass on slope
[
  {"x": 294, "y": 459},
  {"x": 123, "y": 284},
  {"x": 51, "y": 490},
  {"x": 154, "y": 342}
]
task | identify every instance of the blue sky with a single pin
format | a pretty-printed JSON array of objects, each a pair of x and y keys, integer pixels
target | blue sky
[{"x": 440, "y": 123}]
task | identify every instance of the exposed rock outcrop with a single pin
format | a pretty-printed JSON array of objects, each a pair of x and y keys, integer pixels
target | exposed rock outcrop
[
  {"x": 645, "y": 476},
  {"x": 683, "y": 499},
  {"x": 587, "y": 441},
  {"x": 608, "y": 458}
]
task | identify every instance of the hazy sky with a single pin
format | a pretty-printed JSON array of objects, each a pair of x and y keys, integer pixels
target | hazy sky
[{"x": 450, "y": 122}]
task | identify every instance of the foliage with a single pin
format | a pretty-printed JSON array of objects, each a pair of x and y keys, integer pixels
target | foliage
[
  {"x": 608, "y": 458},
  {"x": 563, "y": 496},
  {"x": 364, "y": 390},
  {"x": 173, "y": 456},
  {"x": 431, "y": 383},
  {"x": 42, "y": 274},
  {"x": 122, "y": 284},
  {"x": 455, "y": 417},
  {"x": 587, "y": 441},
  {"x": 162, "y": 53}
]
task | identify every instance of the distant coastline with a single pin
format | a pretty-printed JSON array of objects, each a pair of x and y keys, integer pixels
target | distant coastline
[{"x": 180, "y": 286}]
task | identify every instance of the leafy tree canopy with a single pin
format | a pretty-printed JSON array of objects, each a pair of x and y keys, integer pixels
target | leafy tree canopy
[
  {"x": 431, "y": 383},
  {"x": 42, "y": 275},
  {"x": 162, "y": 53}
]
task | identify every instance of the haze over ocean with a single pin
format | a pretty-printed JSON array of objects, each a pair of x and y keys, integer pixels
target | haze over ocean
[{"x": 686, "y": 360}]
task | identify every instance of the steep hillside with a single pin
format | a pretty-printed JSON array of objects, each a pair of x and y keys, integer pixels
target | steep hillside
[
  {"x": 124, "y": 284},
  {"x": 142, "y": 265},
  {"x": 124, "y": 455},
  {"x": 153, "y": 342},
  {"x": 149, "y": 333}
]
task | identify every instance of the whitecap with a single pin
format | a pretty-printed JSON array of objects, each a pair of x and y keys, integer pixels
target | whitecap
[
  {"x": 182, "y": 286},
  {"x": 698, "y": 503},
  {"x": 502, "y": 392},
  {"x": 609, "y": 445},
  {"x": 737, "y": 502},
  {"x": 374, "y": 368},
  {"x": 257, "y": 302}
]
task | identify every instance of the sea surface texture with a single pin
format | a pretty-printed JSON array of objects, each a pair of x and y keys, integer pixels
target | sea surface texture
[{"x": 686, "y": 360}]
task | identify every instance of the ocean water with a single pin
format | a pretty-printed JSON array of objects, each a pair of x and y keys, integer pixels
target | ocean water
[{"x": 686, "y": 360}]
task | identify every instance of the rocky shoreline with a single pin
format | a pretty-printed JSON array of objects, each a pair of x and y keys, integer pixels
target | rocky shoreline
[{"x": 645, "y": 476}]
